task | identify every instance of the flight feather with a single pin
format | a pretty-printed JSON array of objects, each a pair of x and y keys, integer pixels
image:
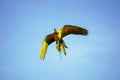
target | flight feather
[
  {"x": 47, "y": 41},
  {"x": 70, "y": 29}
]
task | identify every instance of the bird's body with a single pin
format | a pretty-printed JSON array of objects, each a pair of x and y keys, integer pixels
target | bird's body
[{"x": 58, "y": 35}]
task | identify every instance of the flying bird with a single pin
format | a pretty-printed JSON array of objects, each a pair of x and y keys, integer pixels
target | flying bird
[{"x": 58, "y": 37}]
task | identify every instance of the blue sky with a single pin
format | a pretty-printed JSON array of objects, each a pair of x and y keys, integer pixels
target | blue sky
[{"x": 25, "y": 23}]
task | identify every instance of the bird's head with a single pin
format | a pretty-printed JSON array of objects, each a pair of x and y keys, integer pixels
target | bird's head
[{"x": 55, "y": 30}]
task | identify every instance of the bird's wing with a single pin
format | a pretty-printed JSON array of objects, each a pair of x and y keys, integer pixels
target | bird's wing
[
  {"x": 47, "y": 41},
  {"x": 70, "y": 29}
]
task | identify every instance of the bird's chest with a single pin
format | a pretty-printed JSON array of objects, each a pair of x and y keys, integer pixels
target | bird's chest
[{"x": 56, "y": 37}]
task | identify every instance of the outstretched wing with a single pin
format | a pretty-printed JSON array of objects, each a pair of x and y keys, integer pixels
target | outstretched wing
[
  {"x": 70, "y": 29},
  {"x": 47, "y": 41}
]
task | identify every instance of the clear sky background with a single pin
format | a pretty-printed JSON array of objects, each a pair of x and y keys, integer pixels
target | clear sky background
[{"x": 25, "y": 23}]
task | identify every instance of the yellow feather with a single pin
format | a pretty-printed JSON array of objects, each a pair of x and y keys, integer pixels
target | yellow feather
[
  {"x": 43, "y": 50},
  {"x": 63, "y": 47},
  {"x": 58, "y": 47},
  {"x": 59, "y": 33}
]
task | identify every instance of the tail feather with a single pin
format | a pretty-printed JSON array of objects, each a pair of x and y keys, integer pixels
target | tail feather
[
  {"x": 61, "y": 47},
  {"x": 58, "y": 47}
]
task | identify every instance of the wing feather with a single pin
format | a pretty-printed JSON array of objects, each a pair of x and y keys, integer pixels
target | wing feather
[
  {"x": 43, "y": 50},
  {"x": 70, "y": 29},
  {"x": 50, "y": 38},
  {"x": 47, "y": 41}
]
